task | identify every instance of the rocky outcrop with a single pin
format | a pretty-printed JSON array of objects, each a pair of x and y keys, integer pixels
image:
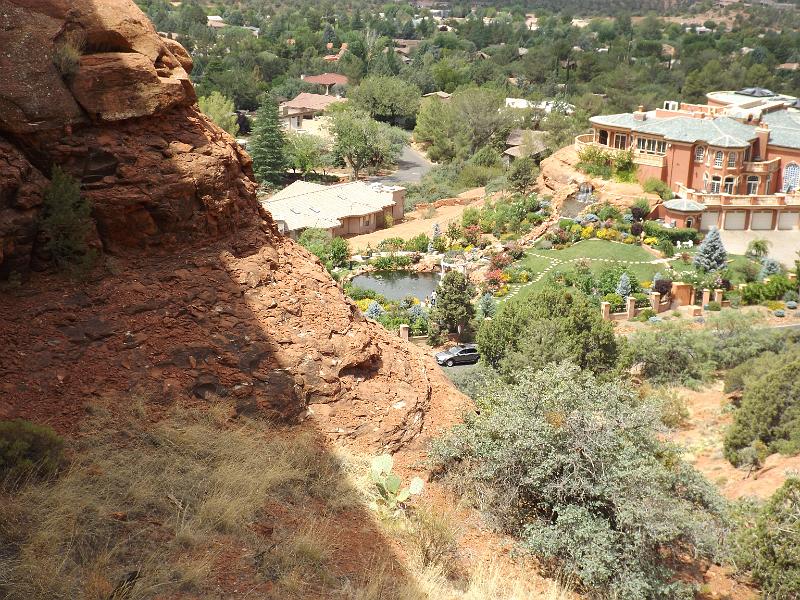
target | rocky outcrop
[
  {"x": 560, "y": 179},
  {"x": 156, "y": 171},
  {"x": 202, "y": 301}
]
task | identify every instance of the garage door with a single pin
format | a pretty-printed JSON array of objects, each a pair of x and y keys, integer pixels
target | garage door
[
  {"x": 734, "y": 220},
  {"x": 787, "y": 220},
  {"x": 761, "y": 220},
  {"x": 709, "y": 220}
]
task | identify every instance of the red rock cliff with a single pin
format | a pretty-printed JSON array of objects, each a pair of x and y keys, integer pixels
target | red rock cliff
[{"x": 204, "y": 299}]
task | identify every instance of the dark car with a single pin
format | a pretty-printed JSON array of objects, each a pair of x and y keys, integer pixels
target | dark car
[{"x": 466, "y": 354}]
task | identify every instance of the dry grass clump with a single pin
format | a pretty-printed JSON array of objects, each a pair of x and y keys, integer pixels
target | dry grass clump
[
  {"x": 142, "y": 504},
  {"x": 67, "y": 52}
]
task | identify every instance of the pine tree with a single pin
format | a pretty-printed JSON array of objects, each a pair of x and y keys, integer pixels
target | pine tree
[
  {"x": 454, "y": 308},
  {"x": 624, "y": 286},
  {"x": 712, "y": 255},
  {"x": 268, "y": 144}
]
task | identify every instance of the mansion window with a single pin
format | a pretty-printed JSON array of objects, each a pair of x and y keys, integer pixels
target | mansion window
[
  {"x": 791, "y": 177},
  {"x": 727, "y": 186},
  {"x": 620, "y": 141},
  {"x": 699, "y": 153},
  {"x": 768, "y": 185},
  {"x": 718, "y": 159},
  {"x": 365, "y": 221},
  {"x": 752, "y": 184},
  {"x": 731, "y": 160},
  {"x": 715, "y": 184},
  {"x": 651, "y": 145}
]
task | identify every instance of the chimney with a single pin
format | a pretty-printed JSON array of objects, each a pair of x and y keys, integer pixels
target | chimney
[
  {"x": 639, "y": 114},
  {"x": 762, "y": 133}
]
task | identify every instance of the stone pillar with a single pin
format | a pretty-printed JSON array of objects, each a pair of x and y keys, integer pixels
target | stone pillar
[
  {"x": 706, "y": 298},
  {"x": 404, "y": 329},
  {"x": 605, "y": 310},
  {"x": 655, "y": 302},
  {"x": 630, "y": 307},
  {"x": 718, "y": 296}
]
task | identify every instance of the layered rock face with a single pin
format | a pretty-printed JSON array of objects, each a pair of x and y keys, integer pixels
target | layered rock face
[
  {"x": 202, "y": 300},
  {"x": 121, "y": 119}
]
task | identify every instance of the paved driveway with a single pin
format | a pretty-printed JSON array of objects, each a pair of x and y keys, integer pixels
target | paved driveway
[
  {"x": 784, "y": 244},
  {"x": 410, "y": 168}
]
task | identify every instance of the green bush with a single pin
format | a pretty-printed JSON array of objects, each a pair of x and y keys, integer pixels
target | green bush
[
  {"x": 654, "y": 185},
  {"x": 770, "y": 409},
  {"x": 391, "y": 263},
  {"x": 714, "y": 306},
  {"x": 754, "y": 293},
  {"x": 766, "y": 543},
  {"x": 616, "y": 301},
  {"x": 418, "y": 243},
  {"x": 575, "y": 469},
  {"x": 671, "y": 406},
  {"x": 331, "y": 251},
  {"x": 674, "y": 234},
  {"x": 67, "y": 222},
  {"x": 552, "y": 325},
  {"x": 777, "y": 287},
  {"x": 28, "y": 450}
]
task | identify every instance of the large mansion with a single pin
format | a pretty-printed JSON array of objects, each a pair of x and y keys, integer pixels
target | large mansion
[{"x": 733, "y": 163}]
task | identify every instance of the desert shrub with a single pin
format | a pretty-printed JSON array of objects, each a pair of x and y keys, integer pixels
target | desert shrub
[
  {"x": 736, "y": 337},
  {"x": 28, "y": 450},
  {"x": 748, "y": 270},
  {"x": 390, "y": 263},
  {"x": 67, "y": 222},
  {"x": 670, "y": 354},
  {"x": 766, "y": 540},
  {"x": 671, "y": 406},
  {"x": 418, "y": 243},
  {"x": 714, "y": 306},
  {"x": 359, "y": 293},
  {"x": 770, "y": 409},
  {"x": 574, "y": 468},
  {"x": 67, "y": 52},
  {"x": 646, "y": 314},
  {"x": 654, "y": 185},
  {"x": 552, "y": 325},
  {"x": 736, "y": 376},
  {"x": 331, "y": 251},
  {"x": 471, "y": 216}
]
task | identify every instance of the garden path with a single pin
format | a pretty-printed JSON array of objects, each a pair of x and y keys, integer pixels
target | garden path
[{"x": 554, "y": 262}]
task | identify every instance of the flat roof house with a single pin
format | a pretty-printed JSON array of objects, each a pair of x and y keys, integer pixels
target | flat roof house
[
  {"x": 733, "y": 163},
  {"x": 344, "y": 209}
]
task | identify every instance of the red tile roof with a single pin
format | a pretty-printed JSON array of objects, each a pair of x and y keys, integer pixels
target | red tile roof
[
  {"x": 311, "y": 101},
  {"x": 326, "y": 79}
]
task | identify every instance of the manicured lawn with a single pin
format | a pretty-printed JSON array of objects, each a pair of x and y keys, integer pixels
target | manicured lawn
[{"x": 601, "y": 254}]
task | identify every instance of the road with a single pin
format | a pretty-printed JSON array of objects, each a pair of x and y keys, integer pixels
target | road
[{"x": 411, "y": 167}]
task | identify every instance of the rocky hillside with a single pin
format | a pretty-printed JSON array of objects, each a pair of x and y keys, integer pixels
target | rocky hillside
[{"x": 199, "y": 297}]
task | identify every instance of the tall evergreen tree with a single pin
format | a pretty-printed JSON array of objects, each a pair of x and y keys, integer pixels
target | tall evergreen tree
[
  {"x": 711, "y": 255},
  {"x": 268, "y": 144},
  {"x": 454, "y": 307}
]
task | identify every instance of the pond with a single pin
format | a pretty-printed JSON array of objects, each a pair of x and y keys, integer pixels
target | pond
[{"x": 396, "y": 285}]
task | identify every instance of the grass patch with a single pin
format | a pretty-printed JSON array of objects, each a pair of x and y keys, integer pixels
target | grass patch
[{"x": 148, "y": 504}]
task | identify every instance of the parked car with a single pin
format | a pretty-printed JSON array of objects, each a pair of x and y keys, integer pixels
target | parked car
[{"x": 465, "y": 354}]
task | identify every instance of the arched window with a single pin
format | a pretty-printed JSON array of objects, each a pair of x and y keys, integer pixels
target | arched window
[
  {"x": 791, "y": 177},
  {"x": 716, "y": 180},
  {"x": 727, "y": 186},
  {"x": 731, "y": 160},
  {"x": 718, "y": 157},
  {"x": 752, "y": 184},
  {"x": 699, "y": 153}
]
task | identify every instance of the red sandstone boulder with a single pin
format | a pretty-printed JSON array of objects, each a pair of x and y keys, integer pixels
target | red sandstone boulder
[{"x": 115, "y": 86}]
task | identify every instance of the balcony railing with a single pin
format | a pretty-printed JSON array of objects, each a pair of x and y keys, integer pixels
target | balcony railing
[
  {"x": 738, "y": 200},
  {"x": 764, "y": 166},
  {"x": 585, "y": 140}
]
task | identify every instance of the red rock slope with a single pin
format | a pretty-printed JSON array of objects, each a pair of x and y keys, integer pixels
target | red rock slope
[{"x": 202, "y": 299}]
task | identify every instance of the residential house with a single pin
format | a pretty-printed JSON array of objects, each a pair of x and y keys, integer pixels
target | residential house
[
  {"x": 215, "y": 22},
  {"x": 733, "y": 163},
  {"x": 547, "y": 106},
  {"x": 343, "y": 209},
  {"x": 524, "y": 143},
  {"x": 793, "y": 66},
  {"x": 443, "y": 96},
  {"x": 304, "y": 106},
  {"x": 338, "y": 55},
  {"x": 328, "y": 80}
]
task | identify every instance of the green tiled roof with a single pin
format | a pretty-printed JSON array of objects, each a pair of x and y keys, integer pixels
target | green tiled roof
[
  {"x": 784, "y": 128},
  {"x": 722, "y": 132},
  {"x": 684, "y": 205}
]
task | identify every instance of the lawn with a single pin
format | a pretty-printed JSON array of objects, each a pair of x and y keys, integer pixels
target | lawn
[{"x": 601, "y": 254}]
